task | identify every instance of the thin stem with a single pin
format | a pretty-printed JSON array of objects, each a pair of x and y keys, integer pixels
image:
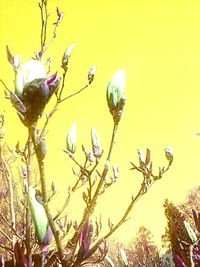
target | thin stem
[
  {"x": 29, "y": 164},
  {"x": 57, "y": 23},
  {"x": 76, "y": 93},
  {"x": 7, "y": 89},
  {"x": 63, "y": 207},
  {"x": 90, "y": 208},
  {"x": 55, "y": 108},
  {"x": 7, "y": 249},
  {"x": 44, "y": 195},
  {"x": 140, "y": 193},
  {"x": 44, "y": 20},
  {"x": 8, "y": 238},
  {"x": 9, "y": 178},
  {"x": 10, "y": 226}
]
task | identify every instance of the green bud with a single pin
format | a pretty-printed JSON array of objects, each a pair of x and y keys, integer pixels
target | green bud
[
  {"x": 71, "y": 139},
  {"x": 96, "y": 145},
  {"x": 115, "y": 95},
  {"x": 122, "y": 257},
  {"x": 38, "y": 215},
  {"x": 190, "y": 232},
  {"x": 26, "y": 73}
]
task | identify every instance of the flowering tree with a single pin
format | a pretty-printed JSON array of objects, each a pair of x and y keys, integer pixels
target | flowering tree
[{"x": 55, "y": 240}]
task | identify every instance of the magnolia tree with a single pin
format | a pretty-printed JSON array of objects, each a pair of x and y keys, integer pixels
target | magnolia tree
[{"x": 54, "y": 240}]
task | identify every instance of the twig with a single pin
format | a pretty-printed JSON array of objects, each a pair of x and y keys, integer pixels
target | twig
[
  {"x": 44, "y": 194},
  {"x": 63, "y": 208},
  {"x": 76, "y": 93},
  {"x": 29, "y": 163},
  {"x": 90, "y": 208},
  {"x": 140, "y": 193},
  {"x": 191, "y": 248},
  {"x": 11, "y": 227},
  {"x": 57, "y": 23},
  {"x": 7, "y": 249},
  {"x": 3, "y": 233},
  {"x": 55, "y": 108},
  {"x": 11, "y": 195},
  {"x": 44, "y": 19},
  {"x": 7, "y": 89}
]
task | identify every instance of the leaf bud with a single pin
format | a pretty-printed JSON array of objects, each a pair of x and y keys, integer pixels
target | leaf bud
[{"x": 96, "y": 145}]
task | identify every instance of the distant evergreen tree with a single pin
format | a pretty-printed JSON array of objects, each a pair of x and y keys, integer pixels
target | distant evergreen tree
[{"x": 144, "y": 252}]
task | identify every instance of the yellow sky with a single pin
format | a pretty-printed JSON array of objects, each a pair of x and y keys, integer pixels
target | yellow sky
[{"x": 158, "y": 44}]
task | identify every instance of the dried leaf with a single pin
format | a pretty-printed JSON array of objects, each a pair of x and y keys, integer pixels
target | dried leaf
[
  {"x": 148, "y": 157},
  {"x": 17, "y": 103},
  {"x": 9, "y": 56}
]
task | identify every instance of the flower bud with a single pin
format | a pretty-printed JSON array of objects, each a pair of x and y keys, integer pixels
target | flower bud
[
  {"x": 96, "y": 145},
  {"x": 67, "y": 55},
  {"x": 69, "y": 50},
  {"x": 26, "y": 73},
  {"x": 71, "y": 139},
  {"x": 122, "y": 257},
  {"x": 192, "y": 235},
  {"x": 38, "y": 215},
  {"x": 16, "y": 62},
  {"x": 115, "y": 94},
  {"x": 109, "y": 261},
  {"x": 169, "y": 154}
]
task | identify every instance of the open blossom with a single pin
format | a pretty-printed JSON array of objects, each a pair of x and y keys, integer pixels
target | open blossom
[
  {"x": 33, "y": 90},
  {"x": 26, "y": 73}
]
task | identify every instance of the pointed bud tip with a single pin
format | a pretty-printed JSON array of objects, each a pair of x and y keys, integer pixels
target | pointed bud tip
[
  {"x": 70, "y": 49},
  {"x": 71, "y": 138}
]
